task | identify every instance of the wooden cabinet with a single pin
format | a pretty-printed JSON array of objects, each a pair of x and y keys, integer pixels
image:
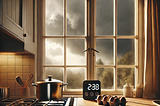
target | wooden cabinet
[
  {"x": 12, "y": 17},
  {"x": 18, "y": 20},
  {"x": 28, "y": 24}
]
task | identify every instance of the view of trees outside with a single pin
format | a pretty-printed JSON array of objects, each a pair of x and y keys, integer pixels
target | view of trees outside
[
  {"x": 122, "y": 73},
  {"x": 106, "y": 75},
  {"x": 127, "y": 59},
  {"x": 76, "y": 76}
]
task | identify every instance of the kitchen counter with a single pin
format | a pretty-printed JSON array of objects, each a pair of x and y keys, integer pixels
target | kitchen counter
[{"x": 131, "y": 102}]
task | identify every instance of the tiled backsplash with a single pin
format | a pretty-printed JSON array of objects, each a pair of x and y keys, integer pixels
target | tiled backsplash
[{"x": 12, "y": 65}]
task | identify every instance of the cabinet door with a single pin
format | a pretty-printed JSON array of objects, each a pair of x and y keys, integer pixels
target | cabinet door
[
  {"x": 12, "y": 17},
  {"x": 28, "y": 17},
  {"x": 28, "y": 25}
]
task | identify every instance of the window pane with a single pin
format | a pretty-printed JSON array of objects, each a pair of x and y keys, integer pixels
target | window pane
[
  {"x": 125, "y": 19},
  {"x": 54, "y": 17},
  {"x": 75, "y": 77},
  {"x": 105, "y": 55},
  {"x": 122, "y": 73},
  {"x": 106, "y": 76},
  {"x": 54, "y": 51},
  {"x": 75, "y": 55},
  {"x": 56, "y": 72},
  {"x": 75, "y": 17},
  {"x": 104, "y": 17},
  {"x": 125, "y": 52}
]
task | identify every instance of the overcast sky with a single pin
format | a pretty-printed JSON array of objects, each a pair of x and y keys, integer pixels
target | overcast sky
[{"x": 76, "y": 26}]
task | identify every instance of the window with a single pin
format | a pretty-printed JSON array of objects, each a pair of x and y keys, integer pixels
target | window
[{"x": 91, "y": 39}]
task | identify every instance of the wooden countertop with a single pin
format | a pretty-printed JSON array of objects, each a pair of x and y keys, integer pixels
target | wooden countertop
[{"x": 131, "y": 102}]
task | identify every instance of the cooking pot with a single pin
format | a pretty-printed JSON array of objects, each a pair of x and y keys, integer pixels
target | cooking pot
[
  {"x": 4, "y": 92},
  {"x": 49, "y": 89}
]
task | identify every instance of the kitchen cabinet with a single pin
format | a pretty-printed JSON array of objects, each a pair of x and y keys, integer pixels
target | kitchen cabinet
[
  {"x": 29, "y": 25},
  {"x": 18, "y": 20},
  {"x": 11, "y": 18}
]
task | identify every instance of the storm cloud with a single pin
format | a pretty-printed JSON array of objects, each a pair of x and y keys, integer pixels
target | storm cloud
[{"x": 104, "y": 24}]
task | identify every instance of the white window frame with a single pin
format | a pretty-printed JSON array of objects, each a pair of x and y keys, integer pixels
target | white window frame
[
  {"x": 93, "y": 45},
  {"x": 90, "y": 75}
]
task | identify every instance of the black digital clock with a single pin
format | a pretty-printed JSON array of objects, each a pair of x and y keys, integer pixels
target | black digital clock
[{"x": 91, "y": 88}]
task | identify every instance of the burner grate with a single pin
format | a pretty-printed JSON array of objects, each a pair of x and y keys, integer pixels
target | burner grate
[
  {"x": 66, "y": 101},
  {"x": 61, "y": 102}
]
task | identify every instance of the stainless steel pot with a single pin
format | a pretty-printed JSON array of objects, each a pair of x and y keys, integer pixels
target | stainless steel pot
[
  {"x": 4, "y": 92},
  {"x": 50, "y": 89}
]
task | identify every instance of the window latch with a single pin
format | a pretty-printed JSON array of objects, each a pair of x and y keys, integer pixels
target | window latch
[{"x": 94, "y": 50}]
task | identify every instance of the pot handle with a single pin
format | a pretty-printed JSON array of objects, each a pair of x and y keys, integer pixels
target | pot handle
[
  {"x": 34, "y": 84},
  {"x": 64, "y": 84}
]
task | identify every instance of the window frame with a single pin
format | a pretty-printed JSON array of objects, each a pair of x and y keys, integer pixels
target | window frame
[
  {"x": 139, "y": 32},
  {"x": 115, "y": 66}
]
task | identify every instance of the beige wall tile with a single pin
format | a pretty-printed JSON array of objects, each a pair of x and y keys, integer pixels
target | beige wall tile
[
  {"x": 31, "y": 61},
  {"x": 4, "y": 76},
  {"x": 18, "y": 69},
  {"x": 19, "y": 62},
  {"x": 12, "y": 92},
  {"x": 4, "y": 69},
  {"x": 11, "y": 62},
  {"x": 11, "y": 76},
  {"x": 18, "y": 56},
  {"x": 25, "y": 56},
  {"x": 11, "y": 69},
  {"x": 12, "y": 65},
  {"x": 3, "y": 56},
  {"x": 11, "y": 83},
  {"x": 26, "y": 69},
  {"x": 11, "y": 56},
  {"x": 4, "y": 83},
  {"x": 25, "y": 62},
  {"x": 3, "y": 62},
  {"x": 32, "y": 69},
  {"x": 25, "y": 76}
]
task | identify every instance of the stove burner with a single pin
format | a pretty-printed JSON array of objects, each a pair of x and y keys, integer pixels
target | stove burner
[
  {"x": 66, "y": 101},
  {"x": 61, "y": 102}
]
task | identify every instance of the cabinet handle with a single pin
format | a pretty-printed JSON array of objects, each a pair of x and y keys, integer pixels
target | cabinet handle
[{"x": 24, "y": 35}]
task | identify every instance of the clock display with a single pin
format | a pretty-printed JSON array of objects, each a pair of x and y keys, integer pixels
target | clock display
[{"x": 91, "y": 88}]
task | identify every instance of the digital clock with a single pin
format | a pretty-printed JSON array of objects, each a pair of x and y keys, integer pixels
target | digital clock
[{"x": 91, "y": 88}]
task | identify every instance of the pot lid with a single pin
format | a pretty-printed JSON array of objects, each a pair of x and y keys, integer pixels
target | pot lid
[{"x": 50, "y": 80}]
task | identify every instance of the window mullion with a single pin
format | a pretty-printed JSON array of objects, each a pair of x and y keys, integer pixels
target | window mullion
[
  {"x": 115, "y": 43},
  {"x": 65, "y": 33},
  {"x": 91, "y": 40}
]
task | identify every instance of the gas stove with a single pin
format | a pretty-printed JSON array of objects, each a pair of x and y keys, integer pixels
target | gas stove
[{"x": 65, "y": 101}]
